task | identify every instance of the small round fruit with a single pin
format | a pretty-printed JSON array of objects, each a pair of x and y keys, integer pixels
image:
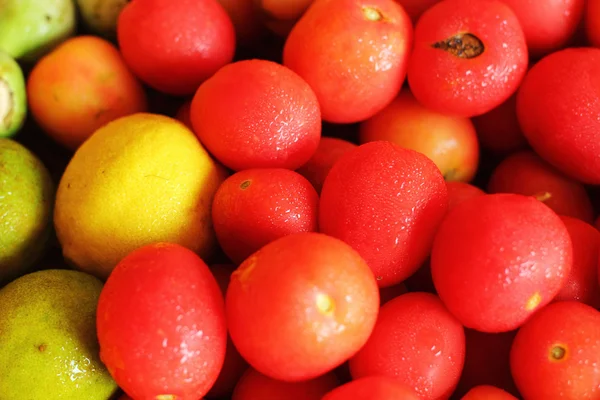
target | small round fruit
[
  {"x": 301, "y": 306},
  {"x": 256, "y": 206},
  {"x": 486, "y": 392},
  {"x": 498, "y": 258},
  {"x": 257, "y": 114},
  {"x": 559, "y": 117},
  {"x": 13, "y": 96},
  {"x": 81, "y": 86},
  {"x": 253, "y": 386},
  {"x": 364, "y": 67},
  {"x": 150, "y": 37},
  {"x": 461, "y": 191},
  {"x": 592, "y": 22},
  {"x": 417, "y": 341},
  {"x": 557, "y": 351},
  {"x": 527, "y": 174},
  {"x": 373, "y": 387},
  {"x": 161, "y": 324},
  {"x": 450, "y": 142},
  {"x": 387, "y": 203},
  {"x": 469, "y": 56}
]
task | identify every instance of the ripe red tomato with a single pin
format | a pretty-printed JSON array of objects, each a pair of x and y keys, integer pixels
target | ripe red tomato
[
  {"x": 486, "y": 392},
  {"x": 257, "y": 114},
  {"x": 387, "y": 203},
  {"x": 526, "y": 173},
  {"x": 301, "y": 306},
  {"x": 461, "y": 191},
  {"x": 151, "y": 344},
  {"x": 372, "y": 387},
  {"x": 368, "y": 47},
  {"x": 151, "y": 41},
  {"x": 417, "y": 341},
  {"x": 557, "y": 352},
  {"x": 469, "y": 56},
  {"x": 254, "y": 386},
  {"x": 559, "y": 117},
  {"x": 592, "y": 22},
  {"x": 498, "y": 258},
  {"x": 252, "y": 208}
]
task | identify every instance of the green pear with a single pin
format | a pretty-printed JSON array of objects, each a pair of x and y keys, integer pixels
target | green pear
[{"x": 13, "y": 97}]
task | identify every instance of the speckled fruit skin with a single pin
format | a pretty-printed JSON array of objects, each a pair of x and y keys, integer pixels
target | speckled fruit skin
[
  {"x": 372, "y": 387},
  {"x": 526, "y": 173},
  {"x": 559, "y": 116},
  {"x": 486, "y": 392},
  {"x": 257, "y": 114},
  {"x": 417, "y": 341},
  {"x": 387, "y": 203},
  {"x": 592, "y": 22},
  {"x": 174, "y": 46},
  {"x": 498, "y": 258},
  {"x": 354, "y": 55},
  {"x": 161, "y": 323},
  {"x": 467, "y": 86},
  {"x": 572, "y": 326},
  {"x": 461, "y": 191}
]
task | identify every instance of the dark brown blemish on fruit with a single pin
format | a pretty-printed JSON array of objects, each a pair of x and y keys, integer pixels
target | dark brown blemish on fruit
[
  {"x": 558, "y": 352},
  {"x": 48, "y": 17},
  {"x": 244, "y": 185},
  {"x": 462, "y": 45},
  {"x": 41, "y": 348},
  {"x": 372, "y": 13}
]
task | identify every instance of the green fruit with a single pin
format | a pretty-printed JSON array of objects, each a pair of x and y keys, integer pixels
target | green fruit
[
  {"x": 101, "y": 16},
  {"x": 31, "y": 28},
  {"x": 48, "y": 344},
  {"x": 13, "y": 98},
  {"x": 26, "y": 198}
]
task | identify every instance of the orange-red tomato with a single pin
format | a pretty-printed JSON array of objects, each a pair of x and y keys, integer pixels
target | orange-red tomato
[
  {"x": 372, "y": 387},
  {"x": 461, "y": 191},
  {"x": 486, "y": 392}
]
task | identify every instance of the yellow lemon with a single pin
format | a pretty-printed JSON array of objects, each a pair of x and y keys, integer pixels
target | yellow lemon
[{"x": 140, "y": 179}]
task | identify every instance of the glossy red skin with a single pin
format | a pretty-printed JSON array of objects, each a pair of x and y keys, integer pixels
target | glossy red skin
[
  {"x": 498, "y": 130},
  {"x": 253, "y": 386},
  {"x": 582, "y": 282},
  {"x": 527, "y": 174},
  {"x": 467, "y": 87},
  {"x": 161, "y": 323},
  {"x": 150, "y": 38},
  {"x": 486, "y": 392},
  {"x": 391, "y": 292},
  {"x": 548, "y": 24},
  {"x": 273, "y": 314},
  {"x": 365, "y": 63},
  {"x": 417, "y": 341},
  {"x": 373, "y": 387},
  {"x": 559, "y": 117},
  {"x": 183, "y": 114},
  {"x": 592, "y": 23},
  {"x": 415, "y": 8},
  {"x": 257, "y": 114},
  {"x": 387, "y": 203},
  {"x": 573, "y": 325},
  {"x": 329, "y": 151},
  {"x": 461, "y": 191},
  {"x": 494, "y": 254},
  {"x": 278, "y": 202}
]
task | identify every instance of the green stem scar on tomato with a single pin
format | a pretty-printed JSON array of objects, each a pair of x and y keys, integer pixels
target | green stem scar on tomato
[
  {"x": 372, "y": 14},
  {"x": 558, "y": 352},
  {"x": 463, "y": 45}
]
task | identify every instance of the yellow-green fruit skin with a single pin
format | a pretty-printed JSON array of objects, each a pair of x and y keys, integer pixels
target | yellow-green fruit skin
[
  {"x": 13, "y": 96},
  {"x": 48, "y": 342},
  {"x": 101, "y": 15},
  {"x": 26, "y": 199}
]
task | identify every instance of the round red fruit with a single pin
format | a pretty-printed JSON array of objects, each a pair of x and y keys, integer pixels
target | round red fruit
[
  {"x": 387, "y": 203},
  {"x": 301, "y": 306},
  {"x": 373, "y": 387},
  {"x": 364, "y": 65},
  {"x": 557, "y": 352},
  {"x": 486, "y": 392},
  {"x": 257, "y": 114},
  {"x": 559, "y": 116},
  {"x": 417, "y": 341},
  {"x": 154, "y": 346},
  {"x": 461, "y": 191},
  {"x": 498, "y": 258},
  {"x": 252, "y": 208},
  {"x": 469, "y": 56},
  {"x": 154, "y": 47}
]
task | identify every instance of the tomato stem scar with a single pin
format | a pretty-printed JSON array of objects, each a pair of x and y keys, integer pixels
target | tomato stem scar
[
  {"x": 543, "y": 196},
  {"x": 533, "y": 301},
  {"x": 244, "y": 185},
  {"x": 558, "y": 352},
  {"x": 166, "y": 397},
  {"x": 372, "y": 14},
  {"x": 463, "y": 45},
  {"x": 325, "y": 304}
]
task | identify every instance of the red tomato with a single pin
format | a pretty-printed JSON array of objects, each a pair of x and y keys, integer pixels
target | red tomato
[
  {"x": 415, "y": 8},
  {"x": 557, "y": 352},
  {"x": 151, "y": 41},
  {"x": 417, "y": 341},
  {"x": 301, "y": 306},
  {"x": 373, "y": 387},
  {"x": 328, "y": 152},
  {"x": 582, "y": 282},
  {"x": 257, "y": 114},
  {"x": 364, "y": 65},
  {"x": 469, "y": 56},
  {"x": 486, "y": 392},
  {"x": 592, "y": 22},
  {"x": 255, "y": 386},
  {"x": 526, "y": 173},
  {"x": 183, "y": 114},
  {"x": 559, "y": 116},
  {"x": 498, "y": 258},
  {"x": 151, "y": 344},
  {"x": 391, "y": 292},
  {"x": 387, "y": 203},
  {"x": 461, "y": 191},
  {"x": 252, "y": 208}
]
